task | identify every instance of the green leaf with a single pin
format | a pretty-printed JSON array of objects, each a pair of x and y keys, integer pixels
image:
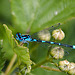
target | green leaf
[
  {"x": 22, "y": 52},
  {"x": 8, "y": 43},
  {"x": 9, "y": 35},
  {"x": 39, "y": 14},
  {"x": 2, "y": 60},
  {"x": 23, "y": 56}
]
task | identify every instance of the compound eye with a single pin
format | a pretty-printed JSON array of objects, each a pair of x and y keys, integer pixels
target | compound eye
[
  {"x": 19, "y": 33},
  {"x": 17, "y": 38}
]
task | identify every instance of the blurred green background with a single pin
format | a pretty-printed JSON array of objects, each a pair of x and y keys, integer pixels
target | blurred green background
[
  {"x": 35, "y": 15},
  {"x": 5, "y": 12}
]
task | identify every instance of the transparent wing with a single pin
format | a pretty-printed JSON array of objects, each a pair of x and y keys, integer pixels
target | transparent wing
[
  {"x": 41, "y": 49},
  {"x": 50, "y": 29}
]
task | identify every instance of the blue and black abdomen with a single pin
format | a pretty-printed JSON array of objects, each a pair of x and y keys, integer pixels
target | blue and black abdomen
[{"x": 26, "y": 38}]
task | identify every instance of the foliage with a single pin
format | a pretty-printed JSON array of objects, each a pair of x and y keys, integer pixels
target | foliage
[
  {"x": 30, "y": 17},
  {"x": 2, "y": 60}
]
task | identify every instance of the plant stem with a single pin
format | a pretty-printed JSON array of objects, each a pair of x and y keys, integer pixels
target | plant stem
[
  {"x": 48, "y": 54},
  {"x": 13, "y": 68},
  {"x": 39, "y": 64},
  {"x": 49, "y": 68},
  {"x": 10, "y": 64},
  {"x": 45, "y": 67}
]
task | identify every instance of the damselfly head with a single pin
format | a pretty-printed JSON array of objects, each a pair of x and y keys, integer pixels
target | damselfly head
[{"x": 18, "y": 36}]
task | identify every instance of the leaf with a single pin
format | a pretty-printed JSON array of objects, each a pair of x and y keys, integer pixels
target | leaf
[
  {"x": 9, "y": 35},
  {"x": 22, "y": 52},
  {"x": 8, "y": 43},
  {"x": 2, "y": 60},
  {"x": 40, "y": 14},
  {"x": 23, "y": 56}
]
